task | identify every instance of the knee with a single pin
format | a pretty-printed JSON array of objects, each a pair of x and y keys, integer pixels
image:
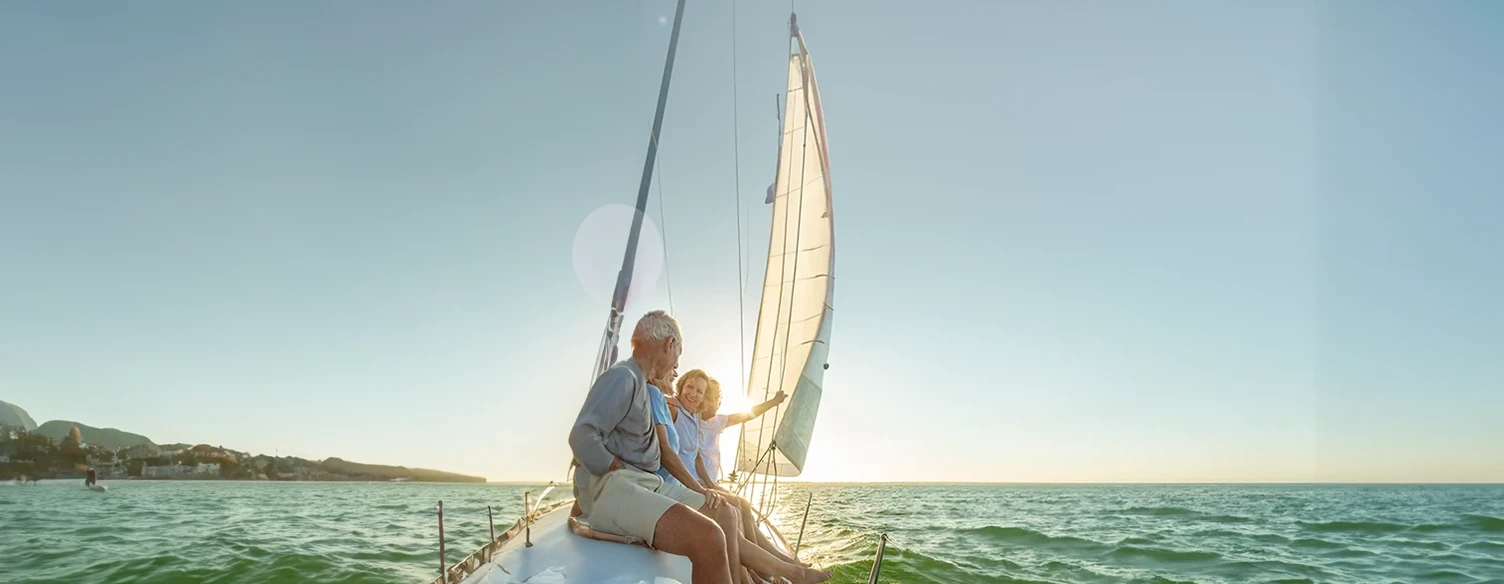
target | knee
[
  {"x": 729, "y": 515},
  {"x": 711, "y": 540}
]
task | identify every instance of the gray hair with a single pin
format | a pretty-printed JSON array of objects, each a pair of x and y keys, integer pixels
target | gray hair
[{"x": 657, "y": 326}]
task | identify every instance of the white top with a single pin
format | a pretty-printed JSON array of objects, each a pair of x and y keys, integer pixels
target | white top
[{"x": 710, "y": 444}]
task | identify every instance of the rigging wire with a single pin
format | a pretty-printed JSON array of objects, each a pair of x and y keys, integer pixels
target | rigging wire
[
  {"x": 663, "y": 230},
  {"x": 741, "y": 290}
]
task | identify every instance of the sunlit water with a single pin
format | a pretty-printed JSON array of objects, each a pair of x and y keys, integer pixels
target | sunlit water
[{"x": 143, "y": 531}]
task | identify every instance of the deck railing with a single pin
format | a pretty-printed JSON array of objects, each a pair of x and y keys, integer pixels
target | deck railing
[{"x": 467, "y": 566}]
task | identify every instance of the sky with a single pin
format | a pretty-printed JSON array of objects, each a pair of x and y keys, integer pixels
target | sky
[{"x": 1077, "y": 242}]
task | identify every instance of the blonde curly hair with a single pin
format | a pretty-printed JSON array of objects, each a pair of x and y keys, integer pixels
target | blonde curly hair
[
  {"x": 712, "y": 397},
  {"x": 693, "y": 374}
]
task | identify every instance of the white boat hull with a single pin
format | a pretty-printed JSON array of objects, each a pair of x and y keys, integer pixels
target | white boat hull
[{"x": 559, "y": 556}]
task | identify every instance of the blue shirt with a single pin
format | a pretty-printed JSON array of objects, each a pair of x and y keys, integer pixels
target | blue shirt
[
  {"x": 688, "y": 424},
  {"x": 659, "y": 406}
]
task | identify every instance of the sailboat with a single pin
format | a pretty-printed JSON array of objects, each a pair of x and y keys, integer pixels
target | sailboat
[{"x": 789, "y": 355}]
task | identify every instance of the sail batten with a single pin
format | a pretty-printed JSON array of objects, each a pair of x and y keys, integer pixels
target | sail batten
[{"x": 793, "y": 329}]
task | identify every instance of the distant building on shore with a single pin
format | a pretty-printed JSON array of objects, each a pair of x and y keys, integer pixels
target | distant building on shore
[{"x": 181, "y": 471}]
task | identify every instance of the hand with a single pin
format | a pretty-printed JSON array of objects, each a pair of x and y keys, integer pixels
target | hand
[
  {"x": 713, "y": 500},
  {"x": 779, "y": 397},
  {"x": 615, "y": 465}
]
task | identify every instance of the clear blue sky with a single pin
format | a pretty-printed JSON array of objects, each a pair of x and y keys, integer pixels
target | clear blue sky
[{"x": 1104, "y": 241}]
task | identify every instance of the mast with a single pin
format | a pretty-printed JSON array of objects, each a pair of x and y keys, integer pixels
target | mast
[{"x": 607, "y": 353}]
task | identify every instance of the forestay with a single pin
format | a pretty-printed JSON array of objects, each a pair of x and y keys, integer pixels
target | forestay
[{"x": 793, "y": 324}]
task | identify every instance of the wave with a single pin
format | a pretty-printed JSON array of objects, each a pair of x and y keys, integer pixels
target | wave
[
  {"x": 1354, "y": 526},
  {"x": 1448, "y": 575},
  {"x": 1313, "y": 543},
  {"x": 1483, "y": 546},
  {"x": 1160, "y": 511},
  {"x": 1484, "y": 523},
  {"x": 1029, "y": 537},
  {"x": 1164, "y": 555},
  {"x": 1300, "y": 572},
  {"x": 1271, "y": 538},
  {"x": 909, "y": 566},
  {"x": 1425, "y": 545},
  {"x": 1183, "y": 512},
  {"x": 1226, "y": 519}
]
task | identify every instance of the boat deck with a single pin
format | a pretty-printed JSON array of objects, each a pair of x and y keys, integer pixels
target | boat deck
[{"x": 559, "y": 556}]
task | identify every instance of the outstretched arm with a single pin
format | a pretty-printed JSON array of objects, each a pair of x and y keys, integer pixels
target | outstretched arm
[{"x": 757, "y": 410}]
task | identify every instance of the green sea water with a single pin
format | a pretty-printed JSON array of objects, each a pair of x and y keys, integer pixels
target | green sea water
[{"x": 147, "y": 531}]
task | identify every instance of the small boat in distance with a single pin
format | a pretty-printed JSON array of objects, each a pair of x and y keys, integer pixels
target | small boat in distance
[{"x": 789, "y": 355}]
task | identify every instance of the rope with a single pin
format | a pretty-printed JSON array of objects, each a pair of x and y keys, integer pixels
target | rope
[{"x": 773, "y": 505}]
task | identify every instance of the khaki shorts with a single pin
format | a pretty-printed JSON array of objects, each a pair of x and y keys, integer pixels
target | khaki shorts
[{"x": 630, "y": 502}]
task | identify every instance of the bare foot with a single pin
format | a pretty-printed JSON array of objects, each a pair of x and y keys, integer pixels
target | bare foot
[{"x": 811, "y": 576}]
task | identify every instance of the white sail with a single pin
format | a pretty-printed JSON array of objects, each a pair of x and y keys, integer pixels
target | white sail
[{"x": 793, "y": 324}]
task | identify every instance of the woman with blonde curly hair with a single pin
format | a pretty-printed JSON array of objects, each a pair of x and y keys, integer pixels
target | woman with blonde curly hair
[
  {"x": 689, "y": 424},
  {"x": 712, "y": 424},
  {"x": 678, "y": 437}
]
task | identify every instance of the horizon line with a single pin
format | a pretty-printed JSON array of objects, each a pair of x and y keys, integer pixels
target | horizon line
[{"x": 1093, "y": 483}]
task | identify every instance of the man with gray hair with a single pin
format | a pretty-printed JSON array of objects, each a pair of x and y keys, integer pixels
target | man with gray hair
[{"x": 616, "y": 486}]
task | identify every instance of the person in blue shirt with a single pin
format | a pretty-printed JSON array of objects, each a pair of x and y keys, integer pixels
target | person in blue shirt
[{"x": 668, "y": 437}]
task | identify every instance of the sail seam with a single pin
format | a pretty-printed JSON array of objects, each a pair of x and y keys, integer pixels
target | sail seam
[
  {"x": 806, "y": 183},
  {"x": 805, "y": 250}
]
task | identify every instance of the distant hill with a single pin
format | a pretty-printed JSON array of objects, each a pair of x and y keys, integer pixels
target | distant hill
[
  {"x": 12, "y": 415},
  {"x": 384, "y": 472},
  {"x": 106, "y": 437},
  {"x": 233, "y": 465}
]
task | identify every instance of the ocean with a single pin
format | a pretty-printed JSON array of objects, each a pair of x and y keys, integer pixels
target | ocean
[{"x": 257, "y": 532}]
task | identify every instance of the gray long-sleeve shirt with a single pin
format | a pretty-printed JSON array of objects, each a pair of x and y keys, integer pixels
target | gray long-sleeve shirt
[{"x": 616, "y": 421}]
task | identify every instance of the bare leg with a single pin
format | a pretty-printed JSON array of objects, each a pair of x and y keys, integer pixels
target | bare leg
[
  {"x": 730, "y": 521},
  {"x": 763, "y": 562},
  {"x": 754, "y": 535},
  {"x": 682, "y": 531}
]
